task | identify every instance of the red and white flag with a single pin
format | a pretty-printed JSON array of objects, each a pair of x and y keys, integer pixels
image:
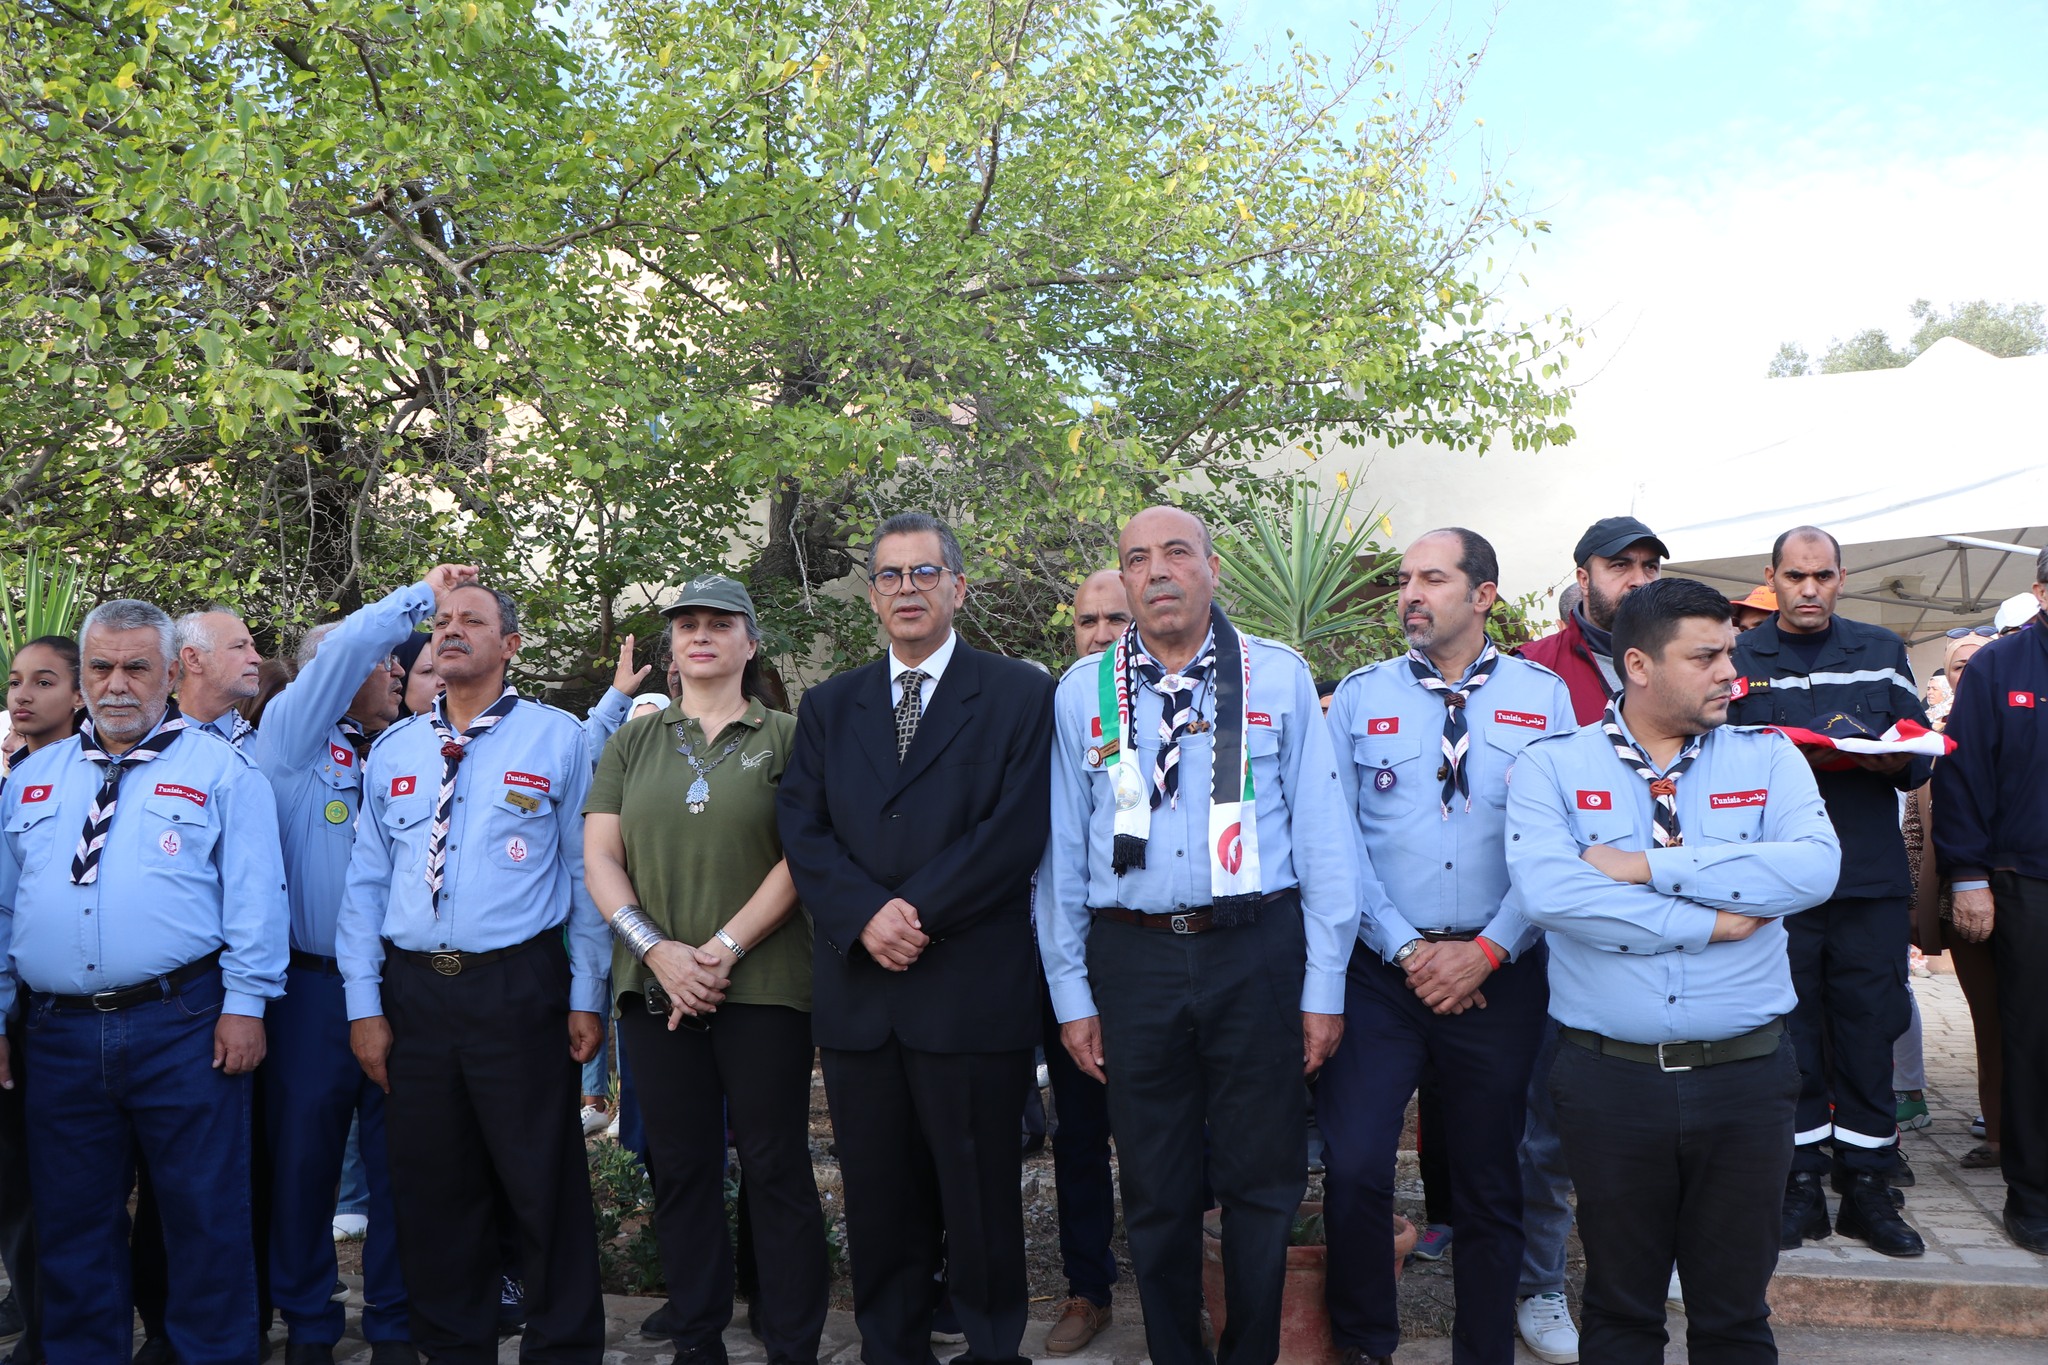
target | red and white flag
[{"x": 1906, "y": 737}]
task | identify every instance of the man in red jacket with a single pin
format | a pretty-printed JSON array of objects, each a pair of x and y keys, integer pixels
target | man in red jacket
[{"x": 1616, "y": 556}]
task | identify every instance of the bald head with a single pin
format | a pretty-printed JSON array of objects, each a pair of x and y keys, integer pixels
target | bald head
[{"x": 1102, "y": 609}]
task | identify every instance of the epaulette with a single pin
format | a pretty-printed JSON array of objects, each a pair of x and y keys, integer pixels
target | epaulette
[
  {"x": 218, "y": 738},
  {"x": 394, "y": 728},
  {"x": 1085, "y": 661},
  {"x": 569, "y": 716},
  {"x": 1276, "y": 644},
  {"x": 1554, "y": 734},
  {"x": 1540, "y": 668}
]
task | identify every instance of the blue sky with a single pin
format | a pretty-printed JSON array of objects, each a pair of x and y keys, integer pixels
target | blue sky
[{"x": 1724, "y": 176}]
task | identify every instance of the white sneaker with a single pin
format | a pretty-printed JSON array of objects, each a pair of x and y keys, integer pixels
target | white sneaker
[
  {"x": 1546, "y": 1327},
  {"x": 1674, "y": 1297},
  {"x": 350, "y": 1227},
  {"x": 594, "y": 1120},
  {"x": 611, "y": 1130}
]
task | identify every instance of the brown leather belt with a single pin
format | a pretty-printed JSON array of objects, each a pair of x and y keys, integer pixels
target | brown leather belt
[
  {"x": 1199, "y": 919},
  {"x": 164, "y": 987},
  {"x": 453, "y": 963},
  {"x": 1743, "y": 1047}
]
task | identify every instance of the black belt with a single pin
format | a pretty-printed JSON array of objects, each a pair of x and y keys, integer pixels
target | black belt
[
  {"x": 449, "y": 962},
  {"x": 164, "y": 987},
  {"x": 1199, "y": 919},
  {"x": 1448, "y": 935},
  {"x": 313, "y": 962},
  {"x": 1743, "y": 1047}
]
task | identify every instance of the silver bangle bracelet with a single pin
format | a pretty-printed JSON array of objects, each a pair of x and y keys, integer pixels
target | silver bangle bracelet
[
  {"x": 631, "y": 927},
  {"x": 732, "y": 945}
]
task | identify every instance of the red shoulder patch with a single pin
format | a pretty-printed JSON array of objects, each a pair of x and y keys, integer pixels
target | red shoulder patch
[
  {"x": 41, "y": 793},
  {"x": 1596, "y": 800},
  {"x": 341, "y": 754},
  {"x": 2025, "y": 699},
  {"x": 1732, "y": 800},
  {"x": 1383, "y": 725},
  {"x": 1528, "y": 720}
]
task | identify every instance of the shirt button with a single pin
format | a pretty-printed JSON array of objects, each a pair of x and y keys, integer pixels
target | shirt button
[
  {"x": 1738, "y": 895},
  {"x": 1180, "y": 853},
  {"x": 1516, "y": 837},
  {"x": 1670, "y": 999},
  {"x": 1447, "y": 867},
  {"x": 1676, "y": 888}
]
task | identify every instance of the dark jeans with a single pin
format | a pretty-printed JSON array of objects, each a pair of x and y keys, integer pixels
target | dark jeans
[
  {"x": 482, "y": 1086},
  {"x": 103, "y": 1086},
  {"x": 1430, "y": 1150},
  {"x": 313, "y": 1088},
  {"x": 751, "y": 1066},
  {"x": 1080, "y": 1171},
  {"x": 1482, "y": 1059},
  {"x": 928, "y": 1152},
  {"x": 1206, "y": 1027},
  {"x": 1686, "y": 1167},
  {"x": 2019, "y": 941},
  {"x": 1849, "y": 967}
]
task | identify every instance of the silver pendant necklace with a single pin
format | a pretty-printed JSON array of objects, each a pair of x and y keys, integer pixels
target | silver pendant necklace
[{"x": 699, "y": 794}]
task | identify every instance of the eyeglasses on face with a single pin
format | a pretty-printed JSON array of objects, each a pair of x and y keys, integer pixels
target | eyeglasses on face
[
  {"x": 1960, "y": 632},
  {"x": 920, "y": 577}
]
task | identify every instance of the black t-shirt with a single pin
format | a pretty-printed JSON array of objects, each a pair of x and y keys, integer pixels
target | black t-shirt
[{"x": 1804, "y": 649}]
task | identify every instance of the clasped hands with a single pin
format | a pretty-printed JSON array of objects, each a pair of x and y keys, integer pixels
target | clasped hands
[{"x": 1634, "y": 869}]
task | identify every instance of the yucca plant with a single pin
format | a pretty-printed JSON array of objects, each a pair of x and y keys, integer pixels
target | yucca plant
[
  {"x": 1308, "y": 578},
  {"x": 38, "y": 596}
]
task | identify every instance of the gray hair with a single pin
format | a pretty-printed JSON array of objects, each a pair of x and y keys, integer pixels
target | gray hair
[
  {"x": 131, "y": 613},
  {"x": 191, "y": 632},
  {"x": 309, "y": 644},
  {"x": 2041, "y": 566},
  {"x": 919, "y": 523},
  {"x": 508, "y": 610}
]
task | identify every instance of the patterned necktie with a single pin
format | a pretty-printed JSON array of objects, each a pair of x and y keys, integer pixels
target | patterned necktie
[
  {"x": 453, "y": 747},
  {"x": 1177, "y": 715},
  {"x": 1457, "y": 740},
  {"x": 1663, "y": 790},
  {"x": 85, "y": 864},
  {"x": 909, "y": 710},
  {"x": 352, "y": 731}
]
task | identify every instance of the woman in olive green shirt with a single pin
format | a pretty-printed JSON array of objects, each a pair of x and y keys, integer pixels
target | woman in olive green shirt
[{"x": 711, "y": 970}]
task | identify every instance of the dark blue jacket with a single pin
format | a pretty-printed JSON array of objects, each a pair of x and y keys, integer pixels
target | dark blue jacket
[
  {"x": 1991, "y": 794},
  {"x": 1862, "y": 672}
]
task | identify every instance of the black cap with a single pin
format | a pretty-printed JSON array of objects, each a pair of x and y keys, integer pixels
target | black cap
[{"x": 1609, "y": 536}]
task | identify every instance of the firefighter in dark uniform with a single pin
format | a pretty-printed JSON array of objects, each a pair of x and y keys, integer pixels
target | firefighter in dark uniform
[{"x": 1802, "y": 667}]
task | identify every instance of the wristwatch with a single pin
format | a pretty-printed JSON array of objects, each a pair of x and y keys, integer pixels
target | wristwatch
[{"x": 1406, "y": 951}]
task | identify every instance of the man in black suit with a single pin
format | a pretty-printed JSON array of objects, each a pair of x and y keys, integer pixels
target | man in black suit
[{"x": 913, "y": 811}]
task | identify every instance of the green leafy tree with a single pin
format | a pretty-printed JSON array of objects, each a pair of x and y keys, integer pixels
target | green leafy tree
[
  {"x": 1790, "y": 361},
  {"x": 1869, "y": 349},
  {"x": 294, "y": 298},
  {"x": 2001, "y": 329}
]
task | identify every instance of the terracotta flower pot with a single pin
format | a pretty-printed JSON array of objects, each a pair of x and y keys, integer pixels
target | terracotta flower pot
[{"x": 1304, "y": 1317}]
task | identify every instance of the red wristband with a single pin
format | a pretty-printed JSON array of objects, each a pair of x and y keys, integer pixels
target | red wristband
[{"x": 1486, "y": 949}]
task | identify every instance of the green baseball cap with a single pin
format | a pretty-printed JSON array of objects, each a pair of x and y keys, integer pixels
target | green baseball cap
[{"x": 714, "y": 591}]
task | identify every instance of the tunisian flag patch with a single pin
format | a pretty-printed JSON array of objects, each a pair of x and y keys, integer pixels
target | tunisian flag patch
[
  {"x": 1596, "y": 800},
  {"x": 2025, "y": 699},
  {"x": 402, "y": 786},
  {"x": 1383, "y": 725}
]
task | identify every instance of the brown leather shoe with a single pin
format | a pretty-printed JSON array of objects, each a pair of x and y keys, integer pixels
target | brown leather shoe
[{"x": 1079, "y": 1321}]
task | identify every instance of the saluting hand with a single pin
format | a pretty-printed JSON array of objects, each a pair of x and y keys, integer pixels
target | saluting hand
[
  {"x": 446, "y": 578},
  {"x": 894, "y": 937},
  {"x": 238, "y": 1044},
  {"x": 626, "y": 678}
]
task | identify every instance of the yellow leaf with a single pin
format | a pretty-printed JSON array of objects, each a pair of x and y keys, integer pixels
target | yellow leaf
[
  {"x": 1074, "y": 441},
  {"x": 1386, "y": 526},
  {"x": 1244, "y": 210},
  {"x": 589, "y": 138},
  {"x": 936, "y": 160},
  {"x": 1343, "y": 481},
  {"x": 1347, "y": 526},
  {"x": 469, "y": 13},
  {"x": 126, "y": 80}
]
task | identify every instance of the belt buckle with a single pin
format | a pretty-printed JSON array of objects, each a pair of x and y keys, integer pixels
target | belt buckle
[
  {"x": 103, "y": 1001},
  {"x": 1661, "y": 1066},
  {"x": 447, "y": 964},
  {"x": 1179, "y": 923}
]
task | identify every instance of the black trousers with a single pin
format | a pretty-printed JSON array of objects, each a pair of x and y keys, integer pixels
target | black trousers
[
  {"x": 1206, "y": 1027},
  {"x": 1482, "y": 1059},
  {"x": 1849, "y": 967},
  {"x": 1080, "y": 1170},
  {"x": 928, "y": 1150},
  {"x": 2019, "y": 943},
  {"x": 750, "y": 1066},
  {"x": 1683, "y": 1167},
  {"x": 482, "y": 1084},
  {"x": 17, "y": 1222}
]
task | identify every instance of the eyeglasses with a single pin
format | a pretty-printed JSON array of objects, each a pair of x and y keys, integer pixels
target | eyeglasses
[
  {"x": 1964, "y": 632},
  {"x": 921, "y": 577}
]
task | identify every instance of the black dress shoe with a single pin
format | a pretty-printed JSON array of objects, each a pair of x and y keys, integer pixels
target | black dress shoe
[
  {"x": 662, "y": 1324},
  {"x": 2031, "y": 1233},
  {"x": 155, "y": 1351},
  {"x": 1355, "y": 1355},
  {"x": 394, "y": 1353},
  {"x": 511, "y": 1306},
  {"x": 11, "y": 1323},
  {"x": 1805, "y": 1212},
  {"x": 1869, "y": 1216},
  {"x": 309, "y": 1353}
]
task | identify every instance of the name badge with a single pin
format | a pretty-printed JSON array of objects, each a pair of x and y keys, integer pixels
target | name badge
[
  {"x": 1734, "y": 800},
  {"x": 529, "y": 804}
]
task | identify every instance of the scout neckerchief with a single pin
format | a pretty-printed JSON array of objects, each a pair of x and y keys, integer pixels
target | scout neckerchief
[
  {"x": 85, "y": 864},
  {"x": 1457, "y": 738},
  {"x": 453, "y": 746},
  {"x": 1233, "y": 813},
  {"x": 239, "y": 729},
  {"x": 352, "y": 731},
  {"x": 1664, "y": 789},
  {"x": 1178, "y": 715}
]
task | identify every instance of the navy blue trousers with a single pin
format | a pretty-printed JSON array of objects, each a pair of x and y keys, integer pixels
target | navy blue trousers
[
  {"x": 1080, "y": 1171},
  {"x": 1481, "y": 1060},
  {"x": 1849, "y": 967},
  {"x": 144, "y": 1077},
  {"x": 313, "y": 1087}
]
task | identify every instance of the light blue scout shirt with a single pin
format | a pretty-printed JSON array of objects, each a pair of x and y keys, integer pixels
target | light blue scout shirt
[
  {"x": 612, "y": 710},
  {"x": 223, "y": 726},
  {"x": 190, "y": 865},
  {"x": 1418, "y": 869},
  {"x": 1304, "y": 838},
  {"x": 1634, "y": 962},
  {"x": 311, "y": 766},
  {"x": 514, "y": 860}
]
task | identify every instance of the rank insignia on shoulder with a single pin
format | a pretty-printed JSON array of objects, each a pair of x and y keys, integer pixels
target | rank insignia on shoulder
[
  {"x": 1099, "y": 754},
  {"x": 529, "y": 804}
]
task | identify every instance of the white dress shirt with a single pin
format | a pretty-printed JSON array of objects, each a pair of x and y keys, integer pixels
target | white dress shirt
[{"x": 932, "y": 668}]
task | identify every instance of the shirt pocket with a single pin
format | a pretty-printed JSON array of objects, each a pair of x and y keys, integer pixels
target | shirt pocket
[
  {"x": 1732, "y": 824},
  {"x": 522, "y": 840},
  {"x": 1504, "y": 744},
  {"x": 177, "y": 833},
  {"x": 1391, "y": 775},
  {"x": 34, "y": 834},
  {"x": 1262, "y": 743},
  {"x": 406, "y": 820}
]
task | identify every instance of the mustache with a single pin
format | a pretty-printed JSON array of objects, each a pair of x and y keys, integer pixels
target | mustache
[{"x": 454, "y": 647}]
